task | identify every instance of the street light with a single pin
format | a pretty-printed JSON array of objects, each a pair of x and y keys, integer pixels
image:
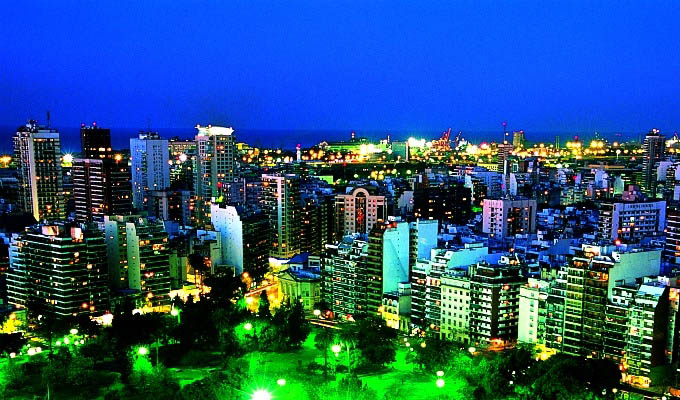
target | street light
[
  {"x": 142, "y": 351},
  {"x": 174, "y": 312},
  {"x": 261, "y": 395},
  {"x": 73, "y": 331},
  {"x": 472, "y": 350},
  {"x": 440, "y": 383},
  {"x": 440, "y": 373},
  {"x": 336, "y": 349},
  {"x": 248, "y": 326},
  {"x": 281, "y": 382},
  {"x": 317, "y": 313}
]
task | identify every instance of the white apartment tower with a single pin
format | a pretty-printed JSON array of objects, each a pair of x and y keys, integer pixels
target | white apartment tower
[{"x": 149, "y": 156}]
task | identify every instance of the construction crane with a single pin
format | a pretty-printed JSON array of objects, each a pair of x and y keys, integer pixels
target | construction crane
[{"x": 443, "y": 143}]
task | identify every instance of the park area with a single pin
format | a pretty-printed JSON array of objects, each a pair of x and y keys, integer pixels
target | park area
[{"x": 224, "y": 348}]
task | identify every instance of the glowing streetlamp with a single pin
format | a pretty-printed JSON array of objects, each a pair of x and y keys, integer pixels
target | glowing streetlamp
[
  {"x": 281, "y": 382},
  {"x": 175, "y": 313},
  {"x": 73, "y": 331},
  {"x": 317, "y": 313},
  {"x": 261, "y": 395},
  {"x": 472, "y": 350},
  {"x": 142, "y": 351},
  {"x": 248, "y": 326},
  {"x": 440, "y": 383},
  {"x": 336, "y": 349},
  {"x": 440, "y": 373}
]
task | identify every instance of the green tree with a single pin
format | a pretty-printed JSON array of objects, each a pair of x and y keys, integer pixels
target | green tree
[
  {"x": 435, "y": 355},
  {"x": 323, "y": 341},
  {"x": 198, "y": 263},
  {"x": 348, "y": 337},
  {"x": 11, "y": 343},
  {"x": 376, "y": 341},
  {"x": 291, "y": 325},
  {"x": 264, "y": 307}
]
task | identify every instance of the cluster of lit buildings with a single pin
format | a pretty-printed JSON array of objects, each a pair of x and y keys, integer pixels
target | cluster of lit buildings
[{"x": 569, "y": 249}]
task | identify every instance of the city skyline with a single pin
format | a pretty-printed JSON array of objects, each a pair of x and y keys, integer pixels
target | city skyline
[{"x": 339, "y": 200}]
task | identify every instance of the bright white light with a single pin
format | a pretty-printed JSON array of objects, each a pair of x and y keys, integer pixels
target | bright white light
[
  {"x": 182, "y": 157},
  {"x": 107, "y": 319},
  {"x": 261, "y": 395},
  {"x": 281, "y": 382},
  {"x": 440, "y": 373},
  {"x": 336, "y": 348},
  {"x": 440, "y": 383},
  {"x": 68, "y": 158}
]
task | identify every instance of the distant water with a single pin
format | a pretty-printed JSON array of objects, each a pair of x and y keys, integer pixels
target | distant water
[{"x": 288, "y": 139}]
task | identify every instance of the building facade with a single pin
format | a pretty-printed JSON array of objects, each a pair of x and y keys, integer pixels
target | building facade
[
  {"x": 60, "y": 270},
  {"x": 149, "y": 158},
  {"x": 38, "y": 153}
]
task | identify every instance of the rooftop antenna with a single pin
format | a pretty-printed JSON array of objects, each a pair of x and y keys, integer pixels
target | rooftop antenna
[
  {"x": 48, "y": 119},
  {"x": 505, "y": 132}
]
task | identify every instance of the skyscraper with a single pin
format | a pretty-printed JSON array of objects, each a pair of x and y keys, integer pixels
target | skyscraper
[
  {"x": 95, "y": 142},
  {"x": 38, "y": 153},
  {"x": 281, "y": 203},
  {"x": 150, "y": 169},
  {"x": 89, "y": 189},
  {"x": 654, "y": 147},
  {"x": 101, "y": 179},
  {"x": 215, "y": 167}
]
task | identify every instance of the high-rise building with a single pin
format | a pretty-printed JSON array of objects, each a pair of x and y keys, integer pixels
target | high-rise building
[
  {"x": 171, "y": 205},
  {"x": 149, "y": 157},
  {"x": 95, "y": 142},
  {"x": 504, "y": 151},
  {"x": 654, "y": 146},
  {"x": 529, "y": 298},
  {"x": 504, "y": 218},
  {"x": 592, "y": 274},
  {"x": 446, "y": 202},
  {"x": 343, "y": 267},
  {"x": 281, "y": 204},
  {"x": 182, "y": 164},
  {"x": 387, "y": 261},
  {"x": 101, "y": 179},
  {"x": 455, "y": 307},
  {"x": 244, "y": 243},
  {"x": 317, "y": 221},
  {"x": 494, "y": 304},
  {"x": 518, "y": 139},
  {"x": 216, "y": 168},
  {"x": 631, "y": 220},
  {"x": 89, "y": 189},
  {"x": 59, "y": 269},
  {"x": 358, "y": 211},
  {"x": 38, "y": 153},
  {"x": 138, "y": 256},
  {"x": 671, "y": 250}
]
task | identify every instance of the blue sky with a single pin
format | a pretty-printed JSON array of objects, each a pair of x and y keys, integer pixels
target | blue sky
[{"x": 543, "y": 66}]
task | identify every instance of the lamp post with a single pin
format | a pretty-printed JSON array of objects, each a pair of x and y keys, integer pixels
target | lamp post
[{"x": 176, "y": 313}]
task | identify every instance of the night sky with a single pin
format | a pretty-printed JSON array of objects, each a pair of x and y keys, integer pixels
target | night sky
[{"x": 542, "y": 66}]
